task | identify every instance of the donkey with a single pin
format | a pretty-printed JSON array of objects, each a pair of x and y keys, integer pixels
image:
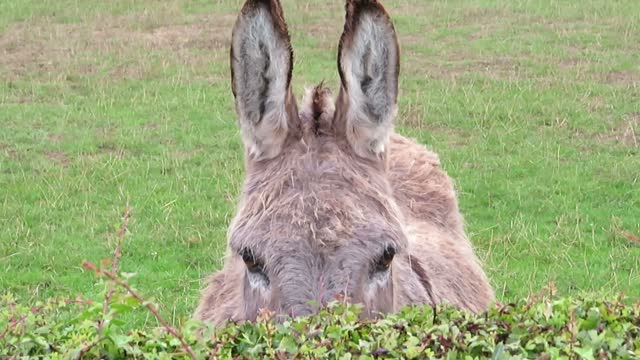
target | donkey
[{"x": 334, "y": 202}]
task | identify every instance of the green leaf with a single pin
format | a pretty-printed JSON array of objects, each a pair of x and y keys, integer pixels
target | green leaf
[
  {"x": 585, "y": 353},
  {"x": 498, "y": 353},
  {"x": 288, "y": 344}
]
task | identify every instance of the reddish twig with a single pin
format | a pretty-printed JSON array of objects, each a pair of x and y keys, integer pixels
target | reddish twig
[
  {"x": 215, "y": 350},
  {"x": 148, "y": 305},
  {"x": 13, "y": 324},
  {"x": 572, "y": 326},
  {"x": 631, "y": 237},
  {"x": 114, "y": 265},
  {"x": 88, "y": 347}
]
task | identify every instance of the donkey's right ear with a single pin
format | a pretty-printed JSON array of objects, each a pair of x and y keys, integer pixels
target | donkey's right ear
[{"x": 261, "y": 66}]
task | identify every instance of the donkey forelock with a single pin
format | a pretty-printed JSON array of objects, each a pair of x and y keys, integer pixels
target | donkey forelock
[{"x": 334, "y": 203}]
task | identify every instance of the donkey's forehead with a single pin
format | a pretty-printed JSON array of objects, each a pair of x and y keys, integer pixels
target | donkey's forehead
[{"x": 314, "y": 205}]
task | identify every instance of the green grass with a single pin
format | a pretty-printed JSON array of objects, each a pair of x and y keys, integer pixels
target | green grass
[{"x": 533, "y": 107}]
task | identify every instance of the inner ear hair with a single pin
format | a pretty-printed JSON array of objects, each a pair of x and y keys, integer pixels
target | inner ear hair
[{"x": 261, "y": 68}]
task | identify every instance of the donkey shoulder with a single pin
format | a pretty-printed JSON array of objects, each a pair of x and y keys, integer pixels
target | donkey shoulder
[
  {"x": 438, "y": 243},
  {"x": 421, "y": 187}
]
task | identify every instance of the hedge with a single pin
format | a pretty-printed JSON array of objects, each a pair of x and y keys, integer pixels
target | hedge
[{"x": 544, "y": 327}]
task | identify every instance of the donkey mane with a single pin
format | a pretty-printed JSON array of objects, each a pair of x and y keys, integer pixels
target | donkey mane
[{"x": 317, "y": 110}]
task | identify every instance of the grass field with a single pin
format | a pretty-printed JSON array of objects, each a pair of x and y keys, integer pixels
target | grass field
[{"x": 533, "y": 106}]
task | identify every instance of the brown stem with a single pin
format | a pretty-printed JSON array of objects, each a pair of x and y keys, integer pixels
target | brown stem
[
  {"x": 13, "y": 324},
  {"x": 87, "y": 348},
  {"x": 214, "y": 351},
  {"x": 114, "y": 266}
]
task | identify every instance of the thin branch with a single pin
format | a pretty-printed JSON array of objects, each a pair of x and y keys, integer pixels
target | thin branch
[
  {"x": 214, "y": 351},
  {"x": 88, "y": 347},
  {"x": 631, "y": 237},
  {"x": 148, "y": 305},
  {"x": 13, "y": 324},
  {"x": 114, "y": 266}
]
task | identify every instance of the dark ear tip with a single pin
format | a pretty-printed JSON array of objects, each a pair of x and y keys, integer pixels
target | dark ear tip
[
  {"x": 273, "y": 7},
  {"x": 251, "y": 4},
  {"x": 249, "y": 10},
  {"x": 355, "y": 11},
  {"x": 356, "y": 7},
  {"x": 362, "y": 2}
]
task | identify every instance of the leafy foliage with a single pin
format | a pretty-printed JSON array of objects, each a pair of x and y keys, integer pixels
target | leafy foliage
[{"x": 548, "y": 327}]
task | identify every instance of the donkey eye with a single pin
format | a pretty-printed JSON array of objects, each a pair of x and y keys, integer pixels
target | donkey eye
[
  {"x": 249, "y": 258},
  {"x": 385, "y": 259}
]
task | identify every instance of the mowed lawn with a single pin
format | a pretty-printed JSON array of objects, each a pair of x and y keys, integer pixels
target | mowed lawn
[{"x": 533, "y": 107}]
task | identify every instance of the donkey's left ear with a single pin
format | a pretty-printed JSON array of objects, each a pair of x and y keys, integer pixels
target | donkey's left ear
[{"x": 369, "y": 65}]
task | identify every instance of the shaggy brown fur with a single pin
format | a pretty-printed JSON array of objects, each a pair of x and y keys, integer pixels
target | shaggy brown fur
[{"x": 339, "y": 204}]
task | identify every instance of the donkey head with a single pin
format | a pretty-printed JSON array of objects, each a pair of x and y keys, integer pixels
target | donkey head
[{"x": 317, "y": 219}]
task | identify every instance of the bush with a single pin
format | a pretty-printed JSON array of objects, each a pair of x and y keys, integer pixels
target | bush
[{"x": 547, "y": 327}]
